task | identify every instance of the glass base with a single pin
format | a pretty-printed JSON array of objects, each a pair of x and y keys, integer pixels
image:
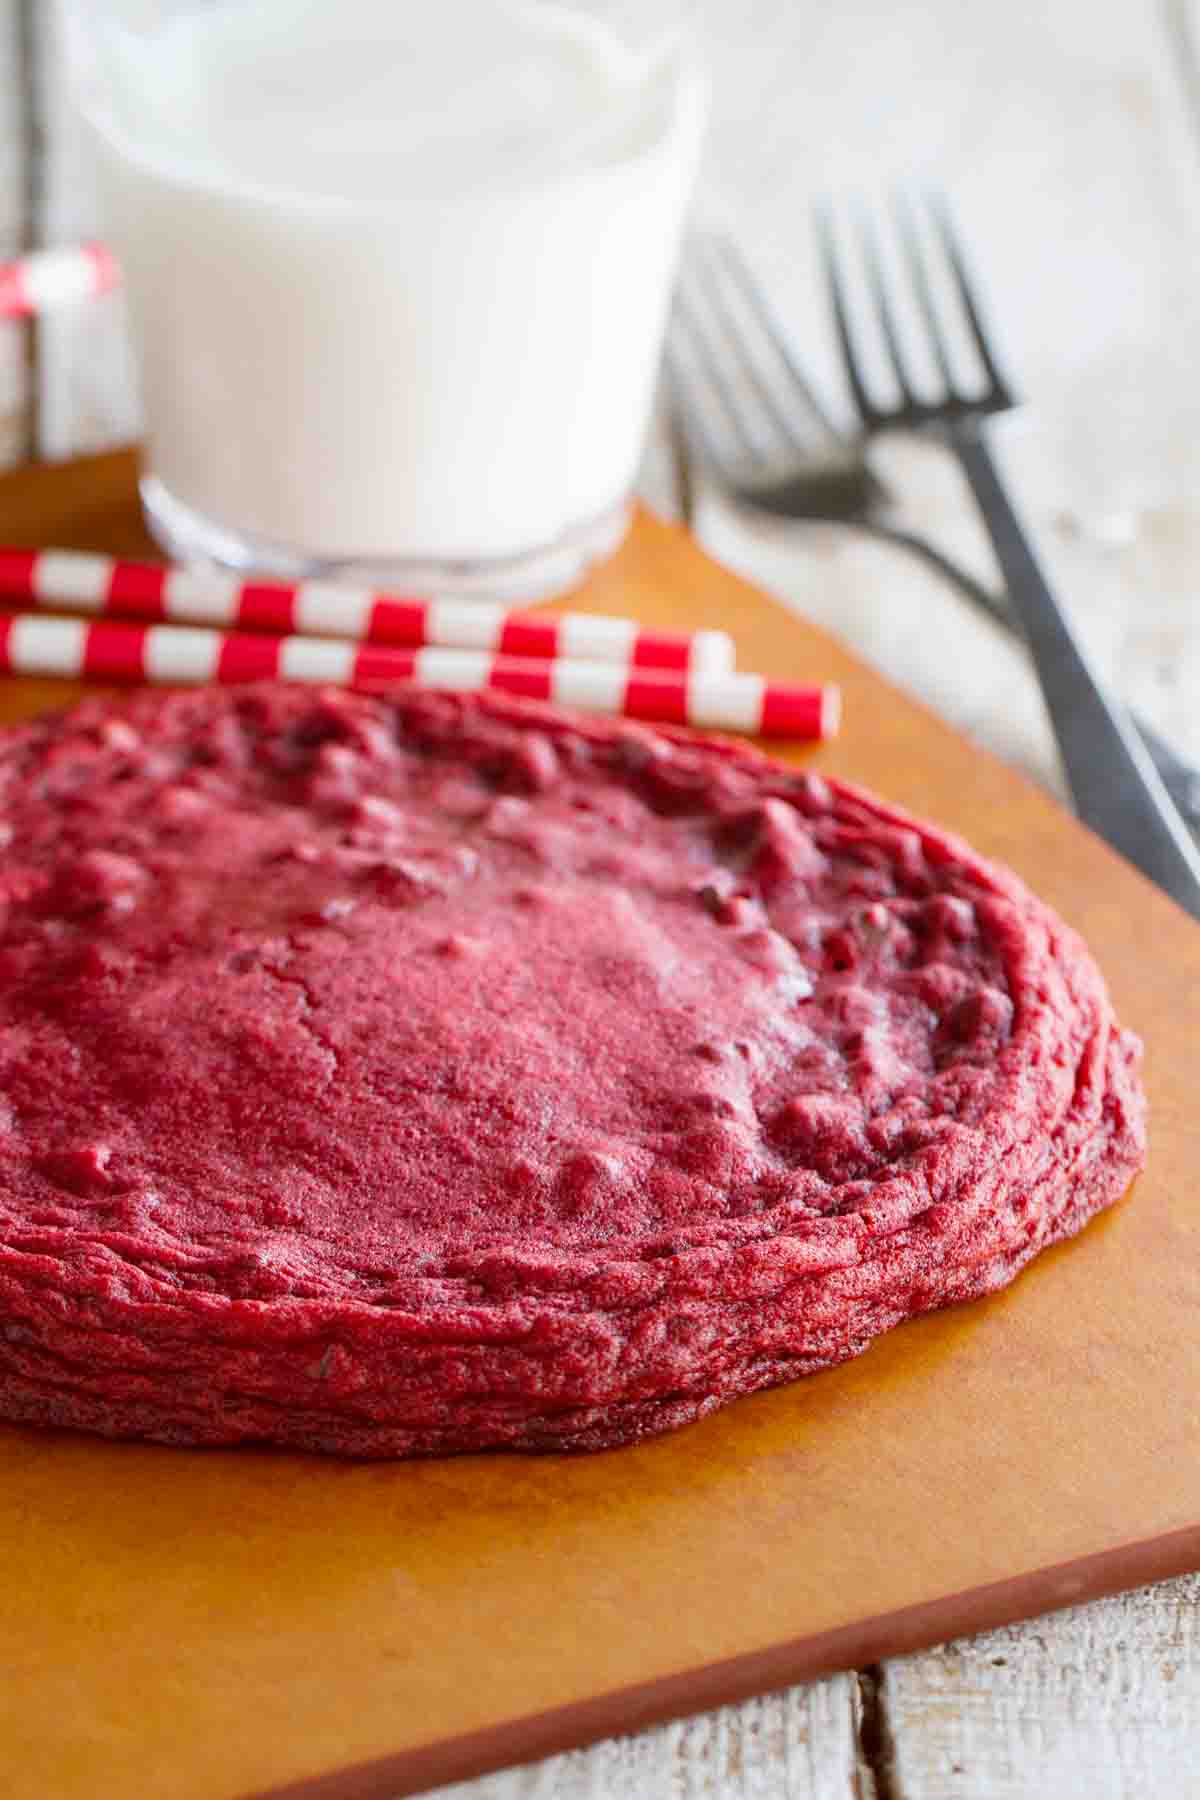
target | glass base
[{"x": 188, "y": 536}]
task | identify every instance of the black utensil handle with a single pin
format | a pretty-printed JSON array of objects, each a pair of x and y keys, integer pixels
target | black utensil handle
[
  {"x": 1116, "y": 788},
  {"x": 1180, "y": 777}
]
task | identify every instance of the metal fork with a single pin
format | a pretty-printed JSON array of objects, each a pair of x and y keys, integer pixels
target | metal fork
[
  {"x": 1114, "y": 783},
  {"x": 774, "y": 446},
  {"x": 754, "y": 418}
]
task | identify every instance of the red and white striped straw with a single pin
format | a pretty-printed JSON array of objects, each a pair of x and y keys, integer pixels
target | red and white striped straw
[
  {"x": 110, "y": 588},
  {"x": 50, "y": 278},
  {"x": 31, "y": 644}
]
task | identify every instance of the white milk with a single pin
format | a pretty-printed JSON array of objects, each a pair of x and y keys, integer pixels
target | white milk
[{"x": 399, "y": 272}]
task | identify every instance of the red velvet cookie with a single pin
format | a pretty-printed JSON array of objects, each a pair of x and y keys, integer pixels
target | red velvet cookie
[{"x": 423, "y": 1073}]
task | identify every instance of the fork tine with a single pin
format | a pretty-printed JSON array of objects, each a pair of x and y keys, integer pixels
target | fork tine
[
  {"x": 713, "y": 284},
  {"x": 713, "y": 276},
  {"x": 742, "y": 277},
  {"x": 690, "y": 413},
  {"x": 876, "y": 281},
  {"x": 919, "y": 276},
  {"x": 940, "y": 214},
  {"x": 868, "y": 412},
  {"x": 689, "y": 322}
]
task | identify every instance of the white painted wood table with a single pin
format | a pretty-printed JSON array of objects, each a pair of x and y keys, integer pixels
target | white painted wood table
[{"x": 1069, "y": 136}]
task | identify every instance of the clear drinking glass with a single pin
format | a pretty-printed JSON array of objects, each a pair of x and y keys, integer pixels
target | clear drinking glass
[{"x": 398, "y": 274}]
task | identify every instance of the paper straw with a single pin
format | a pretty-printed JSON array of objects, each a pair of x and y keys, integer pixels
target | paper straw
[
  {"x": 101, "y": 651},
  {"x": 105, "y": 586},
  {"x": 50, "y": 278}
]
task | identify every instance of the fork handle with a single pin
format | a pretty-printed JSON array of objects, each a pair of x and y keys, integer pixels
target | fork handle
[
  {"x": 1116, "y": 788},
  {"x": 1180, "y": 777}
]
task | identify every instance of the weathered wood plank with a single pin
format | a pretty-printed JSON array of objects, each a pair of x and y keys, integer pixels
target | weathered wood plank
[
  {"x": 14, "y": 369},
  {"x": 1181, "y": 24},
  {"x": 800, "y": 1745},
  {"x": 1098, "y": 1703}
]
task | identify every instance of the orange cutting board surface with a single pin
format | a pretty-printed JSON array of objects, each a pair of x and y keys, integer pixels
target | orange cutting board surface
[{"x": 219, "y": 1624}]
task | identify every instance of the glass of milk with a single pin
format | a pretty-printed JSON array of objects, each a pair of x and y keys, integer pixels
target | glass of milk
[{"x": 398, "y": 272}]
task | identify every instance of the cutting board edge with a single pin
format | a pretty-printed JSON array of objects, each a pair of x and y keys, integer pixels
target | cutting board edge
[
  {"x": 95, "y": 494},
  {"x": 740, "y": 1678}
]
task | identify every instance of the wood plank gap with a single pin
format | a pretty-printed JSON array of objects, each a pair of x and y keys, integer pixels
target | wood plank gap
[
  {"x": 876, "y": 1772},
  {"x": 1179, "y": 23}
]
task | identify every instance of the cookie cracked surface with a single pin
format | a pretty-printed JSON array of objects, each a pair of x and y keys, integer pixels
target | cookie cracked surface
[{"x": 419, "y": 1073}]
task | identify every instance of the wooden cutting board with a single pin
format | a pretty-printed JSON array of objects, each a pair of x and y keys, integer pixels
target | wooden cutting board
[{"x": 218, "y": 1624}]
